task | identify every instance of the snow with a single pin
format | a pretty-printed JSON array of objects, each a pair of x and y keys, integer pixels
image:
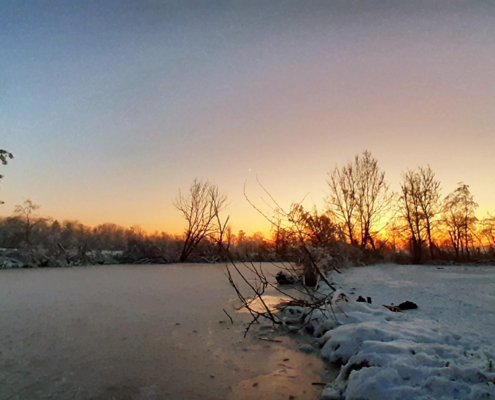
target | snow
[{"x": 442, "y": 350}]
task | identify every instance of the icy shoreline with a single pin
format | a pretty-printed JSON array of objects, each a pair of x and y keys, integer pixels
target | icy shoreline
[{"x": 429, "y": 353}]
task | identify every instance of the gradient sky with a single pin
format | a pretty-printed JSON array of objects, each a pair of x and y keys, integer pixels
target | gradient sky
[{"x": 111, "y": 106}]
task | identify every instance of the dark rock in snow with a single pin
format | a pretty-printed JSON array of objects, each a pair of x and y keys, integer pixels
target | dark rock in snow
[
  {"x": 361, "y": 299},
  {"x": 408, "y": 305},
  {"x": 368, "y": 299},
  {"x": 309, "y": 329}
]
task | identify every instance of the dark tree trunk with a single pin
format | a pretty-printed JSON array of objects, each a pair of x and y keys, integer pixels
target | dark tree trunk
[{"x": 417, "y": 251}]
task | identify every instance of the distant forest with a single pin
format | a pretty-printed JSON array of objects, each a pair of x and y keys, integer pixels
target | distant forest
[{"x": 363, "y": 222}]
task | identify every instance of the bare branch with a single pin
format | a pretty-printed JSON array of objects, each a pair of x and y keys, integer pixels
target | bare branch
[{"x": 201, "y": 208}]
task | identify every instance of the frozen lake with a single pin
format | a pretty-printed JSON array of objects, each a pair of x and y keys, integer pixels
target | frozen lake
[{"x": 138, "y": 332}]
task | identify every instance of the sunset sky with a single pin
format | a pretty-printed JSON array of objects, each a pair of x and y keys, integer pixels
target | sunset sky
[{"x": 110, "y": 107}]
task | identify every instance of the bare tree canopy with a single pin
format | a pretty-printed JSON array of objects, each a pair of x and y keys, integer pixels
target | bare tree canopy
[
  {"x": 419, "y": 204},
  {"x": 359, "y": 198},
  {"x": 4, "y": 157},
  {"x": 201, "y": 207},
  {"x": 26, "y": 213},
  {"x": 342, "y": 199},
  {"x": 487, "y": 231},
  {"x": 458, "y": 215}
]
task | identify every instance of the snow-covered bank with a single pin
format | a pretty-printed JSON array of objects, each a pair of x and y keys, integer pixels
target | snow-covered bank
[
  {"x": 443, "y": 350},
  {"x": 461, "y": 298}
]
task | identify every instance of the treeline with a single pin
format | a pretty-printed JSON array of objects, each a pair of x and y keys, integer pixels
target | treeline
[
  {"x": 43, "y": 242},
  {"x": 416, "y": 224},
  {"x": 363, "y": 222}
]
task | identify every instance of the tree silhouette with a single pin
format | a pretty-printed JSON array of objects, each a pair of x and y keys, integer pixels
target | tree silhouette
[
  {"x": 458, "y": 216},
  {"x": 359, "y": 197},
  {"x": 201, "y": 207},
  {"x": 418, "y": 205},
  {"x": 26, "y": 214}
]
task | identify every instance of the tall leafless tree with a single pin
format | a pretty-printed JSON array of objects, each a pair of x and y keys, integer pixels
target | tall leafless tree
[
  {"x": 201, "y": 207},
  {"x": 419, "y": 204},
  {"x": 220, "y": 231},
  {"x": 359, "y": 198},
  {"x": 26, "y": 213},
  {"x": 487, "y": 230},
  {"x": 459, "y": 217},
  {"x": 342, "y": 199}
]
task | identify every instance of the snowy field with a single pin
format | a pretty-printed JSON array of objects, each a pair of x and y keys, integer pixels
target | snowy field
[{"x": 442, "y": 350}]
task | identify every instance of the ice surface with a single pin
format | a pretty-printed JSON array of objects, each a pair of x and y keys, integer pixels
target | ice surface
[
  {"x": 138, "y": 332},
  {"x": 443, "y": 350}
]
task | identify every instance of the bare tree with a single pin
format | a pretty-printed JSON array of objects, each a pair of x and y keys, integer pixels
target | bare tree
[
  {"x": 359, "y": 198},
  {"x": 488, "y": 232},
  {"x": 342, "y": 199},
  {"x": 201, "y": 207},
  {"x": 229, "y": 237},
  {"x": 26, "y": 213},
  {"x": 458, "y": 215},
  {"x": 221, "y": 228},
  {"x": 419, "y": 205},
  {"x": 430, "y": 202},
  {"x": 4, "y": 157}
]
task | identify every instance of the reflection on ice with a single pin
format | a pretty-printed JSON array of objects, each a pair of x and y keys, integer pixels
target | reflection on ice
[{"x": 272, "y": 302}]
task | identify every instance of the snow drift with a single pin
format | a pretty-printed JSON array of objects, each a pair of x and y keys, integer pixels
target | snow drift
[{"x": 404, "y": 355}]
